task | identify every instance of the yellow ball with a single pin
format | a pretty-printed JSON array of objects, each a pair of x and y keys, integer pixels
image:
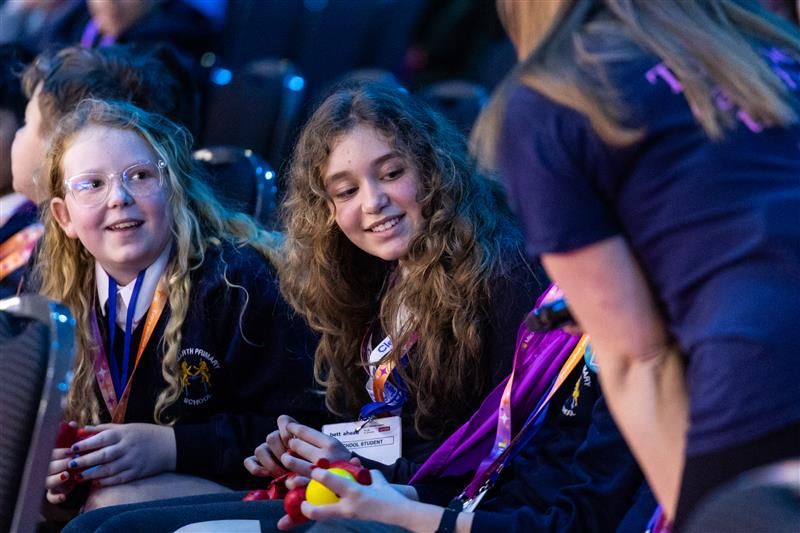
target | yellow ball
[{"x": 319, "y": 494}]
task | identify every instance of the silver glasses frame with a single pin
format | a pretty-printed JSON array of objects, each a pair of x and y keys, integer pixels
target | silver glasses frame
[{"x": 160, "y": 165}]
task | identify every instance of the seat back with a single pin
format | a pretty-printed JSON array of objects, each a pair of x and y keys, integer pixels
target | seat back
[
  {"x": 763, "y": 499},
  {"x": 255, "y": 106},
  {"x": 36, "y": 351},
  {"x": 242, "y": 180},
  {"x": 459, "y": 101}
]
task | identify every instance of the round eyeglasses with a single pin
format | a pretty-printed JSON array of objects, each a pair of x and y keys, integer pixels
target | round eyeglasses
[{"x": 140, "y": 179}]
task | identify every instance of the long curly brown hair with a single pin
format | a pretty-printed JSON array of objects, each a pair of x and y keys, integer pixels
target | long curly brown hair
[{"x": 467, "y": 241}]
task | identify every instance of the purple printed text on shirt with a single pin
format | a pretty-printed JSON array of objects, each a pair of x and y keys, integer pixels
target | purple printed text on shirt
[{"x": 775, "y": 57}]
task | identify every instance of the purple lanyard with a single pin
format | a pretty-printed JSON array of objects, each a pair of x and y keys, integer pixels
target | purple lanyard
[
  {"x": 490, "y": 469},
  {"x": 119, "y": 376},
  {"x": 503, "y": 436},
  {"x": 90, "y": 34},
  {"x": 658, "y": 522}
]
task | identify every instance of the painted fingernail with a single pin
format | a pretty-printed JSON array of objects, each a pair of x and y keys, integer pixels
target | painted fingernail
[
  {"x": 64, "y": 476},
  {"x": 73, "y": 464},
  {"x": 76, "y": 448},
  {"x": 90, "y": 470}
]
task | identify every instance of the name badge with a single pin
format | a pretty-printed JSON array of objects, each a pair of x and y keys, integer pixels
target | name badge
[{"x": 380, "y": 439}]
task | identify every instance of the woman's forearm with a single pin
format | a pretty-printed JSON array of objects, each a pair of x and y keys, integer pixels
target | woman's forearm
[
  {"x": 641, "y": 374},
  {"x": 648, "y": 399}
]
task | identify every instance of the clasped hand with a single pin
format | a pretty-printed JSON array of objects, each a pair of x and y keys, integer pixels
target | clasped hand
[
  {"x": 115, "y": 454},
  {"x": 294, "y": 447}
]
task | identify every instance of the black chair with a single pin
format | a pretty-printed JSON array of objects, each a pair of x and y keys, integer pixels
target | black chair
[
  {"x": 256, "y": 106},
  {"x": 763, "y": 499},
  {"x": 459, "y": 101},
  {"x": 323, "y": 38},
  {"x": 36, "y": 350},
  {"x": 242, "y": 180}
]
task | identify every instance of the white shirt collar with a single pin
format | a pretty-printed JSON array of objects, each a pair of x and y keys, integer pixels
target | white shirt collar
[
  {"x": 146, "y": 293},
  {"x": 9, "y": 203}
]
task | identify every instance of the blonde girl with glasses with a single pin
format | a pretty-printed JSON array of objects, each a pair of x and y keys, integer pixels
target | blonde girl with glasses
[{"x": 185, "y": 350}]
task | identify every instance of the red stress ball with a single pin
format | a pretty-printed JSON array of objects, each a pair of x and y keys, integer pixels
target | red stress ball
[
  {"x": 291, "y": 504},
  {"x": 293, "y": 499},
  {"x": 67, "y": 436}
]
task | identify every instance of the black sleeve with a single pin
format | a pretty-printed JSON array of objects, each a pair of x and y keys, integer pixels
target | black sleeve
[
  {"x": 514, "y": 294},
  {"x": 266, "y": 352}
]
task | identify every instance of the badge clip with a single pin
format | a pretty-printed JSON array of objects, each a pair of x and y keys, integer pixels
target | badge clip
[{"x": 364, "y": 423}]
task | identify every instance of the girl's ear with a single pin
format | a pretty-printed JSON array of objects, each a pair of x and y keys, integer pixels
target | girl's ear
[{"x": 58, "y": 207}]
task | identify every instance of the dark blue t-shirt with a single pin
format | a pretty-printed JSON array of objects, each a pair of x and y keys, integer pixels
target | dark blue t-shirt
[{"x": 715, "y": 226}]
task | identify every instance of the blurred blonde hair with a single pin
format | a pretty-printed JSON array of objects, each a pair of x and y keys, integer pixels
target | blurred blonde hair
[{"x": 710, "y": 46}]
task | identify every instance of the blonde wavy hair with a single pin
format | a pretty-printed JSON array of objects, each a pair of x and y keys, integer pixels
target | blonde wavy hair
[
  {"x": 66, "y": 269},
  {"x": 467, "y": 241},
  {"x": 709, "y": 45}
]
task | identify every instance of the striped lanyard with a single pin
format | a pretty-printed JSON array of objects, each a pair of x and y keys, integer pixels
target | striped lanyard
[
  {"x": 16, "y": 251},
  {"x": 116, "y": 389},
  {"x": 389, "y": 395},
  {"x": 503, "y": 451}
]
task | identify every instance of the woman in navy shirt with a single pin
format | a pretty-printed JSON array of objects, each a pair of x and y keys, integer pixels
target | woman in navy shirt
[{"x": 653, "y": 153}]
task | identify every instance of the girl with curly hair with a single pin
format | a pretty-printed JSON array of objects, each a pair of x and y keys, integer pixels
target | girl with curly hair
[
  {"x": 391, "y": 233},
  {"x": 186, "y": 352}
]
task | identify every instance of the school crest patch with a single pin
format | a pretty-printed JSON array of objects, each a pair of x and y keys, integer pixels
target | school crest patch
[
  {"x": 196, "y": 368},
  {"x": 571, "y": 403}
]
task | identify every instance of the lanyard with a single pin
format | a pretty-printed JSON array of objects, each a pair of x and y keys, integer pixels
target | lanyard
[
  {"x": 119, "y": 376},
  {"x": 101, "y": 362},
  {"x": 388, "y": 396},
  {"x": 90, "y": 34},
  {"x": 658, "y": 522},
  {"x": 525, "y": 344},
  {"x": 17, "y": 250},
  {"x": 486, "y": 475},
  {"x": 383, "y": 370}
]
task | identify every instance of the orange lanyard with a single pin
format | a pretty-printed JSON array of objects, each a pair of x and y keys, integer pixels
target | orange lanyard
[
  {"x": 102, "y": 373},
  {"x": 17, "y": 250}
]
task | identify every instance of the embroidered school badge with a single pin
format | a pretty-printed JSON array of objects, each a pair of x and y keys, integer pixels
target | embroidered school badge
[
  {"x": 571, "y": 403},
  {"x": 196, "y": 369}
]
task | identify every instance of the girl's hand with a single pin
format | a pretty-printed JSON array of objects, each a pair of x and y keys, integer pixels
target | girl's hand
[
  {"x": 379, "y": 501},
  {"x": 308, "y": 446},
  {"x": 264, "y": 462},
  {"x": 58, "y": 482},
  {"x": 286, "y": 523},
  {"x": 119, "y": 453}
]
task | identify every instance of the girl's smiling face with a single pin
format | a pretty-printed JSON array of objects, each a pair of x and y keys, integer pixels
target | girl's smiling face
[
  {"x": 124, "y": 233},
  {"x": 374, "y": 192}
]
